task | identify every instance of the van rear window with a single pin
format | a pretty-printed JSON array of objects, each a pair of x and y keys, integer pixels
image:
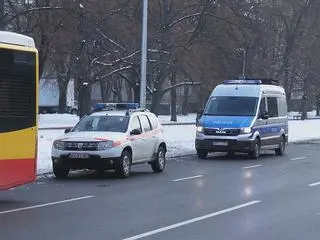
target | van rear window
[{"x": 232, "y": 106}]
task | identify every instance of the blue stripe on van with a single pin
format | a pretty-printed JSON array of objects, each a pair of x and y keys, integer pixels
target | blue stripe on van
[{"x": 225, "y": 121}]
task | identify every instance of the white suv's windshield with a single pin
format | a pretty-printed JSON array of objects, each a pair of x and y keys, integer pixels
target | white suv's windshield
[
  {"x": 232, "y": 106},
  {"x": 102, "y": 124}
]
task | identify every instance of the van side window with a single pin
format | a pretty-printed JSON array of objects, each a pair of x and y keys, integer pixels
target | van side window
[
  {"x": 262, "y": 105},
  {"x": 272, "y": 107},
  {"x": 282, "y": 104}
]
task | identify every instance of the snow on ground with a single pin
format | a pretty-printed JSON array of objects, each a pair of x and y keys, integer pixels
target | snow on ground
[
  {"x": 180, "y": 139},
  {"x": 68, "y": 120}
]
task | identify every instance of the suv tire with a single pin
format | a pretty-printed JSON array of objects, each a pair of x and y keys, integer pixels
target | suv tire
[
  {"x": 159, "y": 164},
  {"x": 123, "y": 165},
  {"x": 60, "y": 172}
]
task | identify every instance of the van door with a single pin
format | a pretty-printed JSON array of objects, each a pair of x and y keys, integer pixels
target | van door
[
  {"x": 261, "y": 124},
  {"x": 274, "y": 122}
]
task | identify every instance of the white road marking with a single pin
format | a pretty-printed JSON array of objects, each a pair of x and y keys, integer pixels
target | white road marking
[
  {"x": 314, "y": 184},
  {"x": 298, "y": 158},
  {"x": 193, "y": 220},
  {"x": 187, "y": 178},
  {"x": 45, "y": 205},
  {"x": 253, "y": 166}
]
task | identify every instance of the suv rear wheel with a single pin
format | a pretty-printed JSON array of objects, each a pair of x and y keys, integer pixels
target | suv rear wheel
[
  {"x": 159, "y": 164},
  {"x": 123, "y": 165}
]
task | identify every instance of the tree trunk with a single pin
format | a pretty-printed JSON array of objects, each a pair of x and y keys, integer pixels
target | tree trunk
[
  {"x": 185, "y": 101},
  {"x": 63, "y": 87},
  {"x": 136, "y": 91},
  {"x": 103, "y": 90},
  {"x": 129, "y": 93},
  {"x": 156, "y": 99},
  {"x": 173, "y": 98},
  {"x": 85, "y": 100}
]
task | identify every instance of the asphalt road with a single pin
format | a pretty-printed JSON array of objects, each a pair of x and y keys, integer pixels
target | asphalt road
[{"x": 217, "y": 198}]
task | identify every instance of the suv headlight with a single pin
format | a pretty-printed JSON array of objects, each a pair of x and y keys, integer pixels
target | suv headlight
[
  {"x": 58, "y": 144},
  {"x": 104, "y": 145},
  {"x": 200, "y": 129},
  {"x": 246, "y": 130}
]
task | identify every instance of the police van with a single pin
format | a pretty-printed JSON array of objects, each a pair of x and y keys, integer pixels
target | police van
[{"x": 244, "y": 116}]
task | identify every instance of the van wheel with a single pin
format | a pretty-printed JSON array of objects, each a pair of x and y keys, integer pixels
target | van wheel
[
  {"x": 255, "y": 153},
  {"x": 202, "y": 154},
  {"x": 282, "y": 147}
]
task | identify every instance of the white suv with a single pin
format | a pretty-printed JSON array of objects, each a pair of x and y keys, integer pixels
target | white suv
[{"x": 111, "y": 140}]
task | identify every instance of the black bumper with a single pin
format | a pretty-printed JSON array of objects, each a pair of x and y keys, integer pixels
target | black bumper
[
  {"x": 227, "y": 145},
  {"x": 94, "y": 162}
]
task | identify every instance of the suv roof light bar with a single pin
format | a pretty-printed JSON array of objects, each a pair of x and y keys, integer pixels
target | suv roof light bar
[{"x": 115, "y": 106}]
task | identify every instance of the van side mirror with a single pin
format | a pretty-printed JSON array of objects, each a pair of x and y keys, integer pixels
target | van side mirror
[
  {"x": 264, "y": 115},
  {"x": 67, "y": 130},
  {"x": 199, "y": 114}
]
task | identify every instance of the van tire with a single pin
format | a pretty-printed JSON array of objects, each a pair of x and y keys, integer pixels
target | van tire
[
  {"x": 282, "y": 147},
  {"x": 202, "y": 154},
  {"x": 255, "y": 153}
]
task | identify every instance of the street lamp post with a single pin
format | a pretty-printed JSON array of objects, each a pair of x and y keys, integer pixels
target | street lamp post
[{"x": 143, "y": 81}]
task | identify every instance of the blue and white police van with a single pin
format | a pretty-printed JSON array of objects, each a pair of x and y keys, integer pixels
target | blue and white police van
[{"x": 244, "y": 116}]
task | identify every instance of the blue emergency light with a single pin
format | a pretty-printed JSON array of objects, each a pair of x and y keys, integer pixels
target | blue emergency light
[
  {"x": 242, "y": 81},
  {"x": 115, "y": 106}
]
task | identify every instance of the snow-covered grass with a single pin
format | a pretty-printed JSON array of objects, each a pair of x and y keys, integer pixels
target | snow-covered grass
[
  {"x": 180, "y": 139},
  {"x": 68, "y": 120}
]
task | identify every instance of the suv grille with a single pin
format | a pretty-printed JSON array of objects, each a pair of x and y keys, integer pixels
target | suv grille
[
  {"x": 81, "y": 146},
  {"x": 222, "y": 132}
]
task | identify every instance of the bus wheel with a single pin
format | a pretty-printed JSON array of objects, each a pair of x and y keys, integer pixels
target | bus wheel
[{"x": 60, "y": 172}]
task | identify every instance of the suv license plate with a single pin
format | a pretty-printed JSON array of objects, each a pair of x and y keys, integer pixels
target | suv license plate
[
  {"x": 220, "y": 143},
  {"x": 79, "y": 155}
]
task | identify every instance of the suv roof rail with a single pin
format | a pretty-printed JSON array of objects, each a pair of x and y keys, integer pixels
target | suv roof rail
[{"x": 130, "y": 111}]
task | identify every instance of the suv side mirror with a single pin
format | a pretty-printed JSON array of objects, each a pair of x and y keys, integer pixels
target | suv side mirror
[
  {"x": 135, "y": 132},
  {"x": 67, "y": 130},
  {"x": 264, "y": 115}
]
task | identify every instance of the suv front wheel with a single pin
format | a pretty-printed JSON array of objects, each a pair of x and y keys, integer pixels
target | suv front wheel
[
  {"x": 158, "y": 165},
  {"x": 59, "y": 171},
  {"x": 123, "y": 165}
]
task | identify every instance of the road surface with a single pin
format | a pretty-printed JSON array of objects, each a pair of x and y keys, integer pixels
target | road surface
[{"x": 217, "y": 198}]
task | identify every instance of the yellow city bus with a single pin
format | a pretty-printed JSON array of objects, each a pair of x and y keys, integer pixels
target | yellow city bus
[{"x": 18, "y": 109}]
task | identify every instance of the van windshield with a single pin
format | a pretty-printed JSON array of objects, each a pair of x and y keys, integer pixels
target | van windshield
[{"x": 231, "y": 106}]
